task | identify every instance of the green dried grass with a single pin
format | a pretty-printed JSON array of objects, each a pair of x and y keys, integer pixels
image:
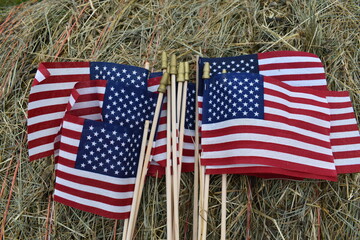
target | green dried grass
[{"x": 131, "y": 32}]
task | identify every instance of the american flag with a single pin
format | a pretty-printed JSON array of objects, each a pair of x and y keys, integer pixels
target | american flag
[
  {"x": 96, "y": 167},
  {"x": 159, "y": 150},
  {"x": 50, "y": 93},
  {"x": 300, "y": 69},
  {"x": 250, "y": 119},
  {"x": 101, "y": 134}
]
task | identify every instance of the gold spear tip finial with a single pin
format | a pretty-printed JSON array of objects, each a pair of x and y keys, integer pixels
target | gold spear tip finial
[
  {"x": 187, "y": 71},
  {"x": 224, "y": 71},
  {"x": 163, "y": 82},
  {"x": 173, "y": 64},
  {"x": 164, "y": 63},
  {"x": 206, "y": 71},
  {"x": 181, "y": 72}
]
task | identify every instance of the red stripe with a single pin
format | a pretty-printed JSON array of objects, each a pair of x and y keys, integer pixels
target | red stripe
[
  {"x": 41, "y": 141},
  {"x": 297, "y": 123},
  {"x": 68, "y": 148},
  {"x": 297, "y": 99},
  {"x": 268, "y": 161},
  {"x": 340, "y": 105},
  {"x": 41, "y": 155},
  {"x": 65, "y": 162},
  {"x": 285, "y": 54},
  {"x": 49, "y": 94},
  {"x": 289, "y": 65},
  {"x": 243, "y": 144},
  {"x": 345, "y": 141},
  {"x": 44, "y": 125},
  {"x": 92, "y": 209},
  {"x": 301, "y": 77},
  {"x": 71, "y": 133},
  {"x": 346, "y": 154},
  {"x": 66, "y": 64},
  {"x": 270, "y": 170},
  {"x": 348, "y": 169},
  {"x": 291, "y": 110},
  {"x": 264, "y": 130},
  {"x": 344, "y": 116},
  {"x": 46, "y": 110},
  {"x": 344, "y": 128},
  {"x": 86, "y": 111},
  {"x": 95, "y": 183},
  {"x": 154, "y": 81},
  {"x": 93, "y": 196}
]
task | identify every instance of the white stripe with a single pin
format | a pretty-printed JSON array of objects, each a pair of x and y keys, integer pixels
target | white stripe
[
  {"x": 187, "y": 159},
  {"x": 347, "y": 161},
  {"x": 304, "y": 118},
  {"x": 95, "y": 117},
  {"x": 343, "y": 122},
  {"x": 39, "y": 76},
  {"x": 338, "y": 99},
  {"x": 335, "y": 111},
  {"x": 265, "y": 138},
  {"x": 66, "y": 155},
  {"x": 73, "y": 126},
  {"x": 91, "y": 203},
  {"x": 288, "y": 59},
  {"x": 345, "y": 148},
  {"x": 189, "y": 132},
  {"x": 96, "y": 176},
  {"x": 71, "y": 102},
  {"x": 70, "y": 141},
  {"x": 52, "y": 87},
  {"x": 263, "y": 123},
  {"x": 292, "y": 71},
  {"x": 294, "y": 94},
  {"x": 188, "y": 146},
  {"x": 92, "y": 189},
  {"x": 235, "y": 166},
  {"x": 41, "y": 149},
  {"x": 91, "y": 90},
  {"x": 295, "y": 105},
  {"x": 159, "y": 157},
  {"x": 286, "y": 157},
  {"x": 45, "y": 117},
  {"x": 340, "y": 135},
  {"x": 153, "y": 88},
  {"x": 87, "y": 104},
  {"x": 43, "y": 133},
  {"x": 49, "y": 102},
  {"x": 68, "y": 71},
  {"x": 307, "y": 83},
  {"x": 160, "y": 142}
]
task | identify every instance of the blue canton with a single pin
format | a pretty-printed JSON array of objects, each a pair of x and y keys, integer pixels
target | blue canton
[
  {"x": 130, "y": 75},
  {"x": 190, "y": 107},
  {"x": 108, "y": 149},
  {"x": 233, "y": 95},
  {"x": 128, "y": 106},
  {"x": 243, "y": 63}
]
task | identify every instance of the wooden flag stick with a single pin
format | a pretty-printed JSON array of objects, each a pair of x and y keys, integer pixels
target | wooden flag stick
[
  {"x": 136, "y": 203},
  {"x": 185, "y": 76},
  {"x": 169, "y": 181},
  {"x": 161, "y": 90},
  {"x": 206, "y": 205},
  {"x": 196, "y": 159},
  {"x": 223, "y": 206},
  {"x": 129, "y": 224},
  {"x": 204, "y": 179},
  {"x": 223, "y": 200},
  {"x": 174, "y": 146}
]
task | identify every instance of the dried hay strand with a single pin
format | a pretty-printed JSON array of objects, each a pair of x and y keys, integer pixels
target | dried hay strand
[{"x": 131, "y": 32}]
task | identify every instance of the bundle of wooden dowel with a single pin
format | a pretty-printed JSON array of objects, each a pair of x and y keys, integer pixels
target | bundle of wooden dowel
[{"x": 174, "y": 85}]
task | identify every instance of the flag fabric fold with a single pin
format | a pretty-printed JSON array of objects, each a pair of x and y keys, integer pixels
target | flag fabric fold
[{"x": 50, "y": 93}]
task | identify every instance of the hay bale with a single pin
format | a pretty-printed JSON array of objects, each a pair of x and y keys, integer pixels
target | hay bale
[{"x": 131, "y": 32}]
